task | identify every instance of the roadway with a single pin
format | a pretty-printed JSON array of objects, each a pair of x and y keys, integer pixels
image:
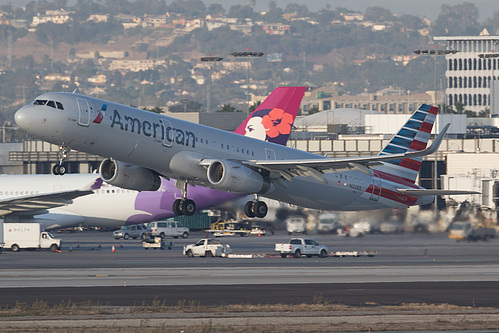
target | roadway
[{"x": 408, "y": 268}]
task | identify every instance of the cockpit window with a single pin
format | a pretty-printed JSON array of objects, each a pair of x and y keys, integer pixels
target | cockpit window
[{"x": 52, "y": 104}]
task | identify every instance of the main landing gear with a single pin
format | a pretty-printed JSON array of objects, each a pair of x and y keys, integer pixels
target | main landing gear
[
  {"x": 183, "y": 206},
  {"x": 60, "y": 169},
  {"x": 256, "y": 208}
]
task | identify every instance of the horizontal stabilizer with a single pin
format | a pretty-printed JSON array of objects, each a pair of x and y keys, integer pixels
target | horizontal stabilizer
[
  {"x": 345, "y": 163},
  {"x": 421, "y": 193}
]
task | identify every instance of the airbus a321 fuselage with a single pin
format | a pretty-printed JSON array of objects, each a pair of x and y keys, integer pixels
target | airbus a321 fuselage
[{"x": 143, "y": 146}]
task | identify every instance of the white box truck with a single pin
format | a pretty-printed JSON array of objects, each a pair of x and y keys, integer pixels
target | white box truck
[{"x": 17, "y": 236}]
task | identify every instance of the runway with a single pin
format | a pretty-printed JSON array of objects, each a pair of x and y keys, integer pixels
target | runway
[{"x": 408, "y": 268}]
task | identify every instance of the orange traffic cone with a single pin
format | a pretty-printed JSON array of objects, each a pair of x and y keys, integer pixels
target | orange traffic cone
[
  {"x": 112, "y": 250},
  {"x": 259, "y": 234}
]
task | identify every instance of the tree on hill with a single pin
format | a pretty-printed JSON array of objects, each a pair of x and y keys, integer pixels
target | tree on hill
[
  {"x": 228, "y": 108},
  {"x": 457, "y": 20}
]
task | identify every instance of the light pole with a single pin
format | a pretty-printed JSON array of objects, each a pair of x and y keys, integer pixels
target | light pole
[
  {"x": 211, "y": 59},
  {"x": 492, "y": 96},
  {"x": 248, "y": 55},
  {"x": 435, "y": 53}
]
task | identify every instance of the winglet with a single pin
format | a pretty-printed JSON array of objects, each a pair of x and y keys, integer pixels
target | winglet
[
  {"x": 434, "y": 145},
  {"x": 94, "y": 185}
]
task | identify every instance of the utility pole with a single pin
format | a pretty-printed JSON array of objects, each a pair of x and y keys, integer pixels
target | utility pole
[{"x": 211, "y": 59}]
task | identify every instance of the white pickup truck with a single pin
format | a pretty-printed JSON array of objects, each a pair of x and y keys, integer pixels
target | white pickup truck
[
  {"x": 207, "y": 247},
  {"x": 301, "y": 246}
]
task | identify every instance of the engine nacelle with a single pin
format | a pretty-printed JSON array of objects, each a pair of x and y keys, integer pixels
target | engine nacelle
[
  {"x": 186, "y": 164},
  {"x": 129, "y": 176},
  {"x": 232, "y": 177}
]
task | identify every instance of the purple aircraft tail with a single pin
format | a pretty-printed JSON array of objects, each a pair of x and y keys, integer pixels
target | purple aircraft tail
[{"x": 272, "y": 120}]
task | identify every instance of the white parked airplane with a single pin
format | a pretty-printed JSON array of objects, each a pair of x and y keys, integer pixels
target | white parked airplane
[
  {"x": 58, "y": 202},
  {"x": 143, "y": 147},
  {"x": 85, "y": 200}
]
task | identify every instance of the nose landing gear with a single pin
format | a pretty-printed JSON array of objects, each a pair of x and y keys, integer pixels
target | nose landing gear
[
  {"x": 183, "y": 206},
  {"x": 60, "y": 169}
]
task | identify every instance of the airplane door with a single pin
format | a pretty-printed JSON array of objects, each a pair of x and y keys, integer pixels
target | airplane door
[
  {"x": 84, "y": 112},
  {"x": 269, "y": 154},
  {"x": 376, "y": 190}
]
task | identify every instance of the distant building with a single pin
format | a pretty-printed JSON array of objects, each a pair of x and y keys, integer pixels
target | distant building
[
  {"x": 353, "y": 16},
  {"x": 472, "y": 71},
  {"x": 135, "y": 65},
  {"x": 385, "y": 101},
  {"x": 276, "y": 29},
  {"x": 54, "y": 16}
]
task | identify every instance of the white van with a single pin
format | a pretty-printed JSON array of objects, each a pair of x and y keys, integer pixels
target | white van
[{"x": 168, "y": 229}]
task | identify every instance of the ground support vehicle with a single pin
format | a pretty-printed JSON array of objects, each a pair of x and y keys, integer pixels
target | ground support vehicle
[
  {"x": 164, "y": 229},
  {"x": 156, "y": 242},
  {"x": 17, "y": 236},
  {"x": 207, "y": 247},
  {"x": 228, "y": 228},
  {"x": 301, "y": 246},
  {"x": 353, "y": 253},
  {"x": 133, "y": 231},
  {"x": 465, "y": 231}
]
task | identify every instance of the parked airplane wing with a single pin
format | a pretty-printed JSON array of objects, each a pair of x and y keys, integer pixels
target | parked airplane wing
[
  {"x": 316, "y": 167},
  {"x": 38, "y": 202}
]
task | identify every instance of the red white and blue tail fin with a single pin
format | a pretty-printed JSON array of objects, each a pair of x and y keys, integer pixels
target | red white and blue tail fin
[
  {"x": 274, "y": 117},
  {"x": 413, "y": 136}
]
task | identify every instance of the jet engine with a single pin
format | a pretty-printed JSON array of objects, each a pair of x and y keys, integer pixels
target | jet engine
[
  {"x": 232, "y": 177},
  {"x": 190, "y": 165},
  {"x": 129, "y": 176}
]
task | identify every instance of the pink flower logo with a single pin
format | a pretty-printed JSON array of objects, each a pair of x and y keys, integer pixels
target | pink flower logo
[{"x": 277, "y": 122}]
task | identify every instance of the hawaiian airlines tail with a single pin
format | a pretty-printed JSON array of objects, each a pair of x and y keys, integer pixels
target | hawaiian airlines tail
[
  {"x": 273, "y": 119},
  {"x": 413, "y": 136}
]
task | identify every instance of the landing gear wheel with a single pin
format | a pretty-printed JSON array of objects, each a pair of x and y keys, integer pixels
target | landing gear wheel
[
  {"x": 59, "y": 169},
  {"x": 177, "y": 208},
  {"x": 260, "y": 209},
  {"x": 248, "y": 209},
  {"x": 188, "y": 207}
]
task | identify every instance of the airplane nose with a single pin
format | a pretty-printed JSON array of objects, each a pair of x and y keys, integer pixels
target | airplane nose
[{"x": 24, "y": 117}]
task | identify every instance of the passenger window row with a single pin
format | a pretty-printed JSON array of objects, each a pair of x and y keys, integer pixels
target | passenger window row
[{"x": 228, "y": 147}]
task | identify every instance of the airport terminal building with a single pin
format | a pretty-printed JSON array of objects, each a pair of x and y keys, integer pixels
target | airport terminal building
[{"x": 471, "y": 73}]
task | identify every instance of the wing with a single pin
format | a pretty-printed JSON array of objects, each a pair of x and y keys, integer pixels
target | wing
[
  {"x": 39, "y": 202},
  {"x": 317, "y": 167}
]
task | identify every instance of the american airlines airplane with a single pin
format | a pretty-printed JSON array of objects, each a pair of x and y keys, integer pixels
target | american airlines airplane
[
  {"x": 144, "y": 147},
  {"x": 58, "y": 202}
]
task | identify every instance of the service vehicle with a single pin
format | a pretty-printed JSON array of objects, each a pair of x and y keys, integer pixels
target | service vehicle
[
  {"x": 164, "y": 229},
  {"x": 155, "y": 242},
  {"x": 207, "y": 247},
  {"x": 222, "y": 228},
  {"x": 17, "y": 236},
  {"x": 135, "y": 231},
  {"x": 296, "y": 224},
  {"x": 257, "y": 232},
  {"x": 328, "y": 223},
  {"x": 301, "y": 246},
  {"x": 465, "y": 231}
]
